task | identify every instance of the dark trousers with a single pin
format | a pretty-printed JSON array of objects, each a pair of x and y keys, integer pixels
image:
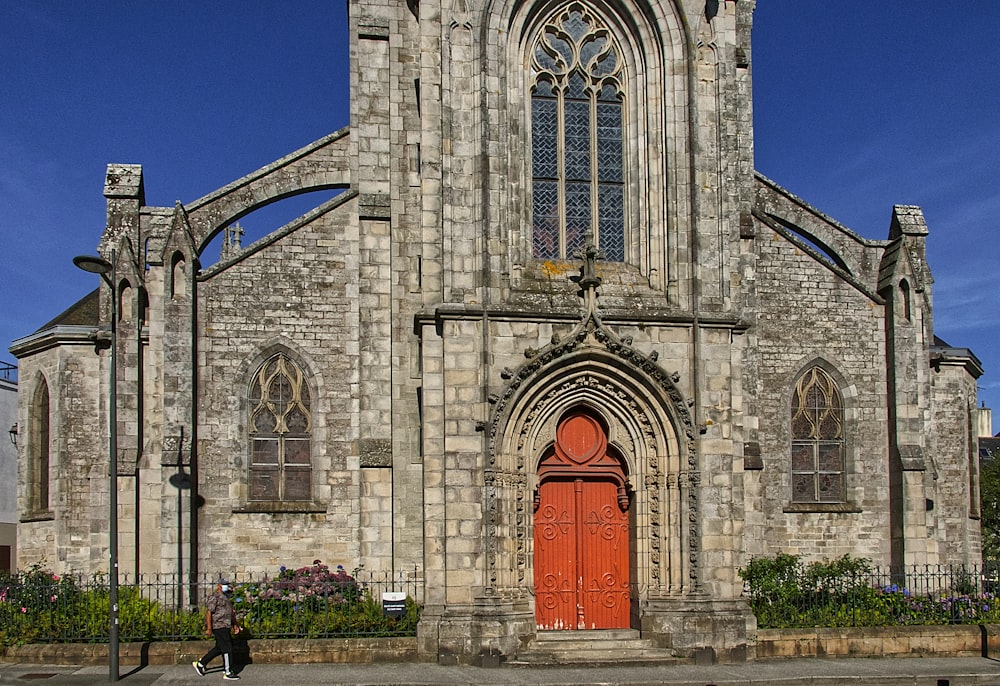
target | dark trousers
[{"x": 223, "y": 646}]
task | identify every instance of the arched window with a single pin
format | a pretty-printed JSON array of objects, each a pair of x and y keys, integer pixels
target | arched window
[
  {"x": 280, "y": 427},
  {"x": 38, "y": 449},
  {"x": 577, "y": 134},
  {"x": 818, "y": 468}
]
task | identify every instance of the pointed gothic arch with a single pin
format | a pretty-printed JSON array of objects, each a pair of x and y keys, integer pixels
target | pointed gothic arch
[
  {"x": 39, "y": 448},
  {"x": 280, "y": 431},
  {"x": 653, "y": 43},
  {"x": 647, "y": 426},
  {"x": 832, "y": 392}
]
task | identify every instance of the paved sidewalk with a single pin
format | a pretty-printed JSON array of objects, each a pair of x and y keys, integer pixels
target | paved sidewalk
[{"x": 798, "y": 672}]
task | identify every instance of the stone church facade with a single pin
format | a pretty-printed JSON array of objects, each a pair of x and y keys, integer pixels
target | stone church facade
[{"x": 555, "y": 345}]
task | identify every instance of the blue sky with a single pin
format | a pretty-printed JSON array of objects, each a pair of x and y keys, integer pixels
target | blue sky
[{"x": 859, "y": 105}]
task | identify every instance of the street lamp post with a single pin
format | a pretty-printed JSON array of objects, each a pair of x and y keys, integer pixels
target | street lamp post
[{"x": 99, "y": 265}]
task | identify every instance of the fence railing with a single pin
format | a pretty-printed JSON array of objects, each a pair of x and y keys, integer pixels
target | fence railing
[
  {"x": 922, "y": 594},
  {"x": 310, "y": 602}
]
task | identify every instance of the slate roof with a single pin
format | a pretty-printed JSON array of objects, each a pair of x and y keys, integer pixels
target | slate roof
[
  {"x": 84, "y": 312},
  {"x": 989, "y": 447}
]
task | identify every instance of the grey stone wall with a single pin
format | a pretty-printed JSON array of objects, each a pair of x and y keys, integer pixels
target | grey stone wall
[{"x": 807, "y": 314}]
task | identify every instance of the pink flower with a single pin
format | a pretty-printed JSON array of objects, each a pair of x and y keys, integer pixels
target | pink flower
[{"x": 24, "y": 610}]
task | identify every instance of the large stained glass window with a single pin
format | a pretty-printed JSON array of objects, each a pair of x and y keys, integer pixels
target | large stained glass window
[
  {"x": 577, "y": 152},
  {"x": 280, "y": 432},
  {"x": 817, "y": 440}
]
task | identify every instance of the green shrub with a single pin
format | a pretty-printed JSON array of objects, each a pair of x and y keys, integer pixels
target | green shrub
[
  {"x": 783, "y": 593},
  {"x": 37, "y": 606}
]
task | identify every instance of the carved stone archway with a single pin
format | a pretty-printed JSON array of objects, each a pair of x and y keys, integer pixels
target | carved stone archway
[{"x": 648, "y": 425}]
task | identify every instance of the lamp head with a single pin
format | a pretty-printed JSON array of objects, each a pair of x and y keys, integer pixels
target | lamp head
[{"x": 92, "y": 264}]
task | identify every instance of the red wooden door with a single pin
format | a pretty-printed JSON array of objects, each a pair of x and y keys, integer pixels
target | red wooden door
[
  {"x": 581, "y": 539},
  {"x": 604, "y": 573},
  {"x": 556, "y": 560},
  {"x": 581, "y": 557}
]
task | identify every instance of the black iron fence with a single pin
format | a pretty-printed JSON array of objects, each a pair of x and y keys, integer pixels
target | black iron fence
[
  {"x": 310, "y": 602},
  {"x": 800, "y": 596}
]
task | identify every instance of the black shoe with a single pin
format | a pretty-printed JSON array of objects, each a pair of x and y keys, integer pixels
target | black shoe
[
  {"x": 198, "y": 667},
  {"x": 230, "y": 676}
]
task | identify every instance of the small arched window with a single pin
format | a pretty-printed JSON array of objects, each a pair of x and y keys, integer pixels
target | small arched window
[
  {"x": 577, "y": 137},
  {"x": 818, "y": 468},
  {"x": 280, "y": 427},
  {"x": 38, "y": 449}
]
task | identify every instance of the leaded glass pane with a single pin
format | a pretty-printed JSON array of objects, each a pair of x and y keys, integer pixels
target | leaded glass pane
[
  {"x": 591, "y": 50},
  {"x": 553, "y": 53},
  {"x": 829, "y": 425},
  {"x": 606, "y": 64},
  {"x": 576, "y": 26},
  {"x": 545, "y": 229},
  {"x": 830, "y": 458},
  {"x": 298, "y": 484},
  {"x": 265, "y": 451},
  {"x": 609, "y": 143},
  {"x": 263, "y": 483},
  {"x": 577, "y": 216},
  {"x": 814, "y": 395},
  {"x": 830, "y": 488},
  {"x": 263, "y": 421},
  {"x": 296, "y": 420},
  {"x": 611, "y": 221},
  {"x": 280, "y": 392},
  {"x": 577, "y": 87},
  {"x": 803, "y": 488},
  {"x": 296, "y": 451},
  {"x": 578, "y": 141},
  {"x": 803, "y": 457},
  {"x": 545, "y": 129}
]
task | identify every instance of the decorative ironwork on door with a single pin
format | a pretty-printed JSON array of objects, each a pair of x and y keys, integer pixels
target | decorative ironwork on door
[{"x": 581, "y": 532}]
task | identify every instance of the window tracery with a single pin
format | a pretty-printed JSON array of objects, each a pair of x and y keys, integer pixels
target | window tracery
[
  {"x": 818, "y": 469},
  {"x": 577, "y": 134},
  {"x": 280, "y": 427}
]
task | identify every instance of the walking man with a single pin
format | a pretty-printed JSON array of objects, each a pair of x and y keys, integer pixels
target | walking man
[{"x": 220, "y": 621}]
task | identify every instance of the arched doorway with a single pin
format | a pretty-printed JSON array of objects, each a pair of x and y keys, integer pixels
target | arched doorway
[{"x": 581, "y": 531}]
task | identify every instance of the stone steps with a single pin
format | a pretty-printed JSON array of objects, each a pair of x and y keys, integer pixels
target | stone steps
[{"x": 607, "y": 647}]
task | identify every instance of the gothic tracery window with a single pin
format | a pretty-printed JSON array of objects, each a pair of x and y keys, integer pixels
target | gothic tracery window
[
  {"x": 280, "y": 427},
  {"x": 577, "y": 134},
  {"x": 818, "y": 468}
]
